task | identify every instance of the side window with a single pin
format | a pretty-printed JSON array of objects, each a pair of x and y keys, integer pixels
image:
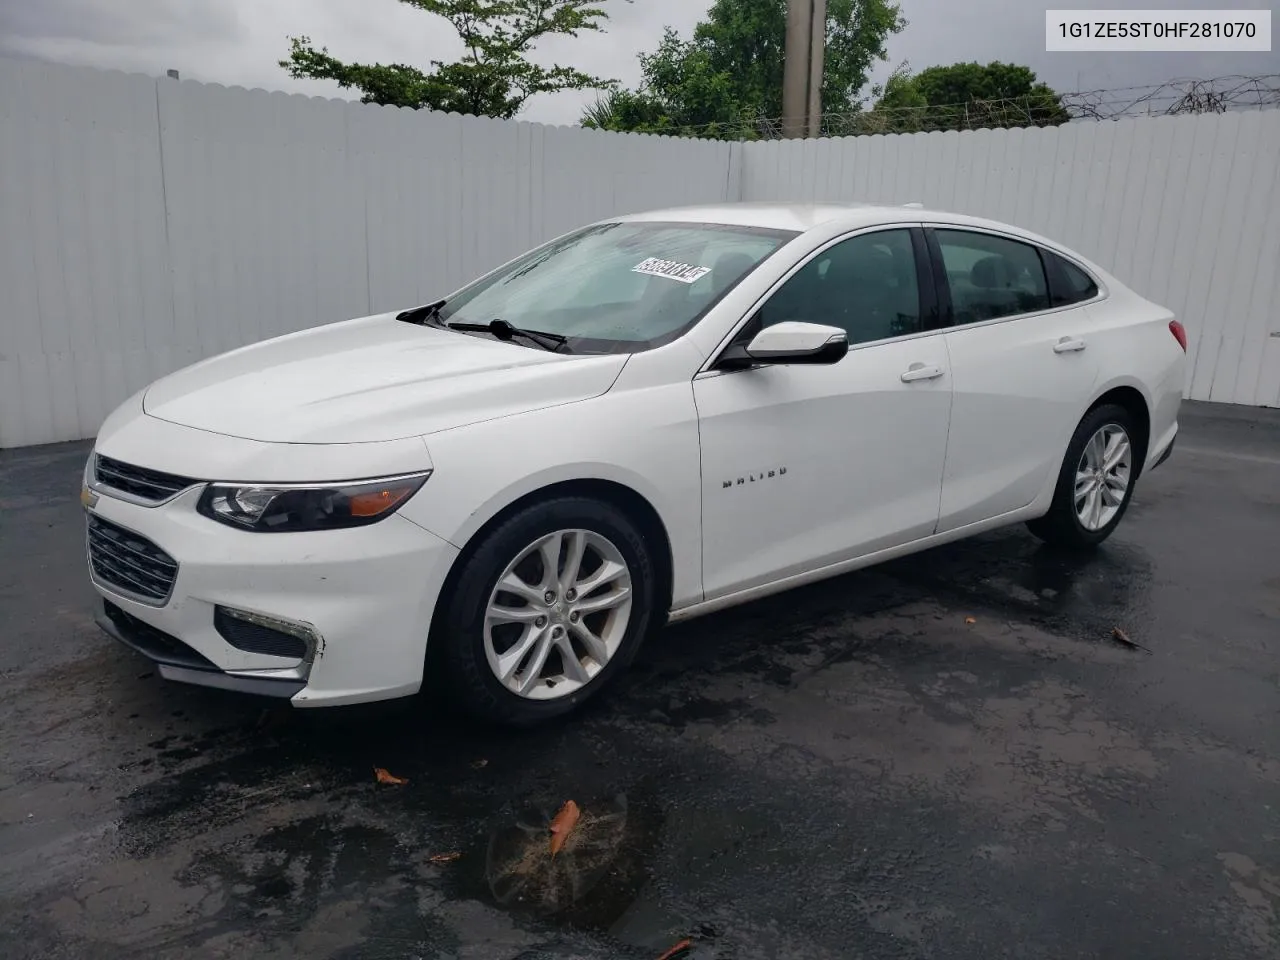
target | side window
[
  {"x": 866, "y": 285},
  {"x": 1068, "y": 284},
  {"x": 991, "y": 277}
]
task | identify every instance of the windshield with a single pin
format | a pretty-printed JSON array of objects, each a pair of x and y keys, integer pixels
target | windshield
[{"x": 618, "y": 287}]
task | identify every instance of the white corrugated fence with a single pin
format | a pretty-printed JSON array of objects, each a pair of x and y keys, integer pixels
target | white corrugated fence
[{"x": 145, "y": 224}]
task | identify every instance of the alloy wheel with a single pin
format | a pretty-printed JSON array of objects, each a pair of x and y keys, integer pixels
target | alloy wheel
[
  {"x": 558, "y": 614},
  {"x": 1103, "y": 476}
]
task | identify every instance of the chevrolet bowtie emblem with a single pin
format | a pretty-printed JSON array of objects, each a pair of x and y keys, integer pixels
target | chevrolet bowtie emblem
[{"x": 87, "y": 497}]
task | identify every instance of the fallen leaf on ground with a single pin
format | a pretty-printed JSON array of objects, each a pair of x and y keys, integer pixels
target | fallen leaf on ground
[
  {"x": 970, "y": 619},
  {"x": 676, "y": 950},
  {"x": 384, "y": 777},
  {"x": 563, "y": 825},
  {"x": 445, "y": 857},
  {"x": 480, "y": 764},
  {"x": 1123, "y": 637}
]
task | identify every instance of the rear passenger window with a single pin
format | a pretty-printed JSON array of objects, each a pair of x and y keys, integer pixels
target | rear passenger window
[
  {"x": 1068, "y": 284},
  {"x": 991, "y": 277}
]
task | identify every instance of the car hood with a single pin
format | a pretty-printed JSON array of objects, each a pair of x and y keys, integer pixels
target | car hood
[{"x": 372, "y": 379}]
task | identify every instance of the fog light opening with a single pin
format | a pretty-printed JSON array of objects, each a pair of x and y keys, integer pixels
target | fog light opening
[{"x": 269, "y": 636}]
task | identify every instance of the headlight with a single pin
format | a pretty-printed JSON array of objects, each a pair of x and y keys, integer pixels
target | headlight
[{"x": 290, "y": 508}]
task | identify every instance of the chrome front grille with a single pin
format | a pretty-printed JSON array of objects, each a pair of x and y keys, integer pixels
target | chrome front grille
[
  {"x": 130, "y": 564},
  {"x": 139, "y": 483}
]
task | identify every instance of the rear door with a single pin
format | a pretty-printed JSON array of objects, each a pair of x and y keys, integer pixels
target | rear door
[{"x": 1023, "y": 362}]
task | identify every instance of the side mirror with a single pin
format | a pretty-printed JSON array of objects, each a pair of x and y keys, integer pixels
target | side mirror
[{"x": 790, "y": 342}]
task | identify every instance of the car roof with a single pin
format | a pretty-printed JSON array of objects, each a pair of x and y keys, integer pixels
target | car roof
[
  {"x": 781, "y": 215},
  {"x": 801, "y": 217}
]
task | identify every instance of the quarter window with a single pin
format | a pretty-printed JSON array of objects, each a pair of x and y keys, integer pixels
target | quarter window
[
  {"x": 992, "y": 277},
  {"x": 866, "y": 285},
  {"x": 1068, "y": 284}
]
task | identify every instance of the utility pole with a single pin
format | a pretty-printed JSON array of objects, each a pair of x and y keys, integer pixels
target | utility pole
[
  {"x": 795, "y": 73},
  {"x": 802, "y": 74},
  {"x": 817, "y": 64}
]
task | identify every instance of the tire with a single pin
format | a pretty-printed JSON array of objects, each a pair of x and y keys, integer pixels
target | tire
[
  {"x": 1063, "y": 525},
  {"x": 469, "y": 643}
]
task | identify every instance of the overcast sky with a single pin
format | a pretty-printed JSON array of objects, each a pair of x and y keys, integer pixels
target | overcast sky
[{"x": 240, "y": 41}]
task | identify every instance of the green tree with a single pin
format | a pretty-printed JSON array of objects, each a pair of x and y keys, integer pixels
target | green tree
[
  {"x": 728, "y": 75},
  {"x": 684, "y": 92},
  {"x": 494, "y": 78},
  {"x": 966, "y": 96}
]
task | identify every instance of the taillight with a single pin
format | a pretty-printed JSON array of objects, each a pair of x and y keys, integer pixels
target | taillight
[{"x": 1179, "y": 333}]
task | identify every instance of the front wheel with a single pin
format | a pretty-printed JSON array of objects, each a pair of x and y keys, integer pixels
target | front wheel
[
  {"x": 1095, "y": 483},
  {"x": 546, "y": 610}
]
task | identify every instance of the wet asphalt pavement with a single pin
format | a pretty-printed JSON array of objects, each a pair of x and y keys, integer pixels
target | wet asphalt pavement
[{"x": 947, "y": 756}]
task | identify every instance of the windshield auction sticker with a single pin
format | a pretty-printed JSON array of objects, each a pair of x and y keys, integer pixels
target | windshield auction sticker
[{"x": 672, "y": 270}]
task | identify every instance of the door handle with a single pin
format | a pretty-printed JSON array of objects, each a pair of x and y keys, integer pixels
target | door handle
[
  {"x": 1068, "y": 345},
  {"x": 919, "y": 371}
]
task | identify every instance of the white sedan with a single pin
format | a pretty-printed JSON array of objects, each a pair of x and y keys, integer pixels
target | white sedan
[{"x": 648, "y": 419}]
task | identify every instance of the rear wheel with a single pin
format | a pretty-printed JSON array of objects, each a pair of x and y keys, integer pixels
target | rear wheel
[
  {"x": 546, "y": 610},
  {"x": 1095, "y": 483}
]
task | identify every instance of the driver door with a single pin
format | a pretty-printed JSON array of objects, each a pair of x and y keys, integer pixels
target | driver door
[{"x": 804, "y": 466}]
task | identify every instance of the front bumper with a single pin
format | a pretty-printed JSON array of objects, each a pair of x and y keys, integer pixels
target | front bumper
[
  {"x": 177, "y": 661},
  {"x": 365, "y": 596}
]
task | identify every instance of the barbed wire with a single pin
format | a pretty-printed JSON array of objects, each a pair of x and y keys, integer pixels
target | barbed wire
[{"x": 1176, "y": 97}]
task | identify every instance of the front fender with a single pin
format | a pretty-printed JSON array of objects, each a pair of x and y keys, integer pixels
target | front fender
[{"x": 645, "y": 440}]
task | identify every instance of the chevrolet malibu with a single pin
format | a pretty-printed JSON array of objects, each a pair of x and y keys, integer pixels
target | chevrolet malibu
[{"x": 646, "y": 420}]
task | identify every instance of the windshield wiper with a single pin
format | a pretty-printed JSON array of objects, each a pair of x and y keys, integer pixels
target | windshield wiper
[
  {"x": 503, "y": 330},
  {"x": 427, "y": 313}
]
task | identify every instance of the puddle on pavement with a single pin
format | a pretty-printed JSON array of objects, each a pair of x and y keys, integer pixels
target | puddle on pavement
[
  {"x": 597, "y": 882},
  {"x": 523, "y": 872}
]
